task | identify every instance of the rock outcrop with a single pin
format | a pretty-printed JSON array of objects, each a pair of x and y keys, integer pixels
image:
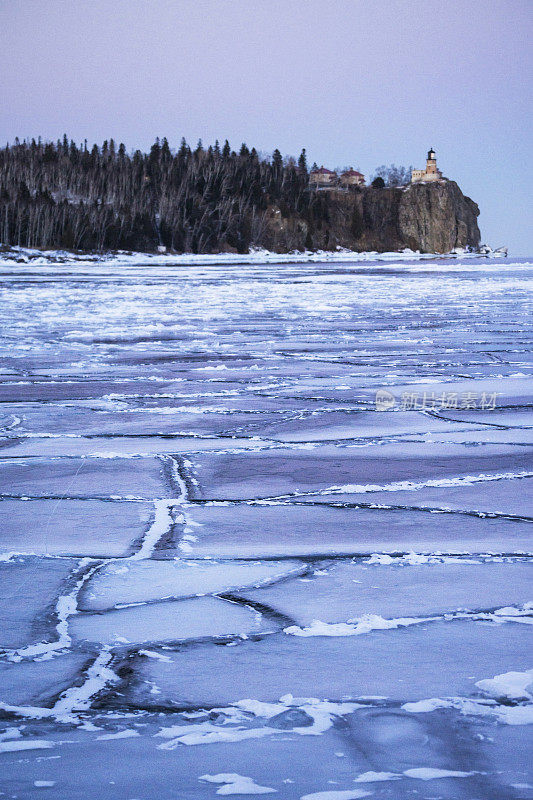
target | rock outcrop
[
  {"x": 431, "y": 217},
  {"x": 436, "y": 217}
]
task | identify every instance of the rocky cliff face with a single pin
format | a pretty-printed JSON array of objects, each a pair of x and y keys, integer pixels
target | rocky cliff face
[
  {"x": 437, "y": 217},
  {"x": 433, "y": 218}
]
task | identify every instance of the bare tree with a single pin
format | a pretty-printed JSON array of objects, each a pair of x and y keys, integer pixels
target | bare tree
[{"x": 393, "y": 175}]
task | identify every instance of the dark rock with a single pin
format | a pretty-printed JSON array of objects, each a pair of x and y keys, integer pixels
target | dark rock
[
  {"x": 430, "y": 217},
  {"x": 292, "y": 718},
  {"x": 437, "y": 217}
]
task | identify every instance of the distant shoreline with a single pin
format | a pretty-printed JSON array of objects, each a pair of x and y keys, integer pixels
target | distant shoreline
[{"x": 14, "y": 256}]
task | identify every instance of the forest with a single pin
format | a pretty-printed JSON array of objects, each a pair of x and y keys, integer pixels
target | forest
[{"x": 64, "y": 195}]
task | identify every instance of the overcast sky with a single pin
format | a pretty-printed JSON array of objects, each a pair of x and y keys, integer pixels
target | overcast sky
[{"x": 356, "y": 82}]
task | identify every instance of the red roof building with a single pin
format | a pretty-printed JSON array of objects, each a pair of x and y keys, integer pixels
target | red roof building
[
  {"x": 351, "y": 177},
  {"x": 322, "y": 176}
]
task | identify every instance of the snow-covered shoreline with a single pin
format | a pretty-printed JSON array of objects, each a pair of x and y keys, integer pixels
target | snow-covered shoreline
[{"x": 24, "y": 255}]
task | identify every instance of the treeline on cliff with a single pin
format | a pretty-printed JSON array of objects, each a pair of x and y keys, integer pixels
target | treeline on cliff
[{"x": 61, "y": 195}]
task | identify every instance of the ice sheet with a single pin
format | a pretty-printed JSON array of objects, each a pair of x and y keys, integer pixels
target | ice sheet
[
  {"x": 135, "y": 389},
  {"x": 506, "y": 496},
  {"x": 169, "y": 621},
  {"x": 37, "y": 683},
  {"x": 361, "y": 745},
  {"x": 85, "y": 477},
  {"x": 141, "y": 581},
  {"x": 72, "y": 527},
  {"x": 28, "y": 588},
  {"x": 293, "y": 472},
  {"x": 230, "y": 531},
  {"x": 345, "y": 591},
  {"x": 450, "y": 657}
]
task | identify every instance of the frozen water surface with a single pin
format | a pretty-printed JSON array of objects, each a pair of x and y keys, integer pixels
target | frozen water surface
[
  {"x": 140, "y": 581},
  {"x": 337, "y": 425},
  {"x": 275, "y": 473},
  {"x": 126, "y": 446},
  {"x": 431, "y": 659},
  {"x": 33, "y": 684},
  {"x": 73, "y": 477},
  {"x": 28, "y": 589},
  {"x": 63, "y": 526},
  {"x": 293, "y": 765},
  {"x": 507, "y": 496},
  {"x": 318, "y": 529},
  {"x": 345, "y": 591},
  {"x": 169, "y": 621},
  {"x": 218, "y": 557}
]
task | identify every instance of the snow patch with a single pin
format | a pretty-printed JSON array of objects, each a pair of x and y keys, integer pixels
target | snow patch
[
  {"x": 236, "y": 784},
  {"x": 509, "y": 686},
  {"x": 375, "y": 777},
  {"x": 125, "y": 734},
  {"x": 230, "y": 727},
  {"x": 335, "y": 794},
  {"x": 156, "y": 656},
  {"x": 430, "y": 774},
  {"x": 24, "y": 744},
  {"x": 160, "y": 527},
  {"x": 76, "y": 698},
  {"x": 79, "y": 698},
  {"x": 410, "y": 486},
  {"x": 427, "y": 706},
  {"x": 374, "y": 622},
  {"x": 354, "y": 627},
  {"x": 66, "y": 606}
]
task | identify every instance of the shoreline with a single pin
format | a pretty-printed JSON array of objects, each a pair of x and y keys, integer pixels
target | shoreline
[{"x": 15, "y": 256}]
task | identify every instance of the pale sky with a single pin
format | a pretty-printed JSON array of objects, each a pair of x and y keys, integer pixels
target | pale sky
[{"x": 355, "y": 82}]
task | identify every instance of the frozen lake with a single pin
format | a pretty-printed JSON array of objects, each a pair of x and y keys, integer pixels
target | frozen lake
[{"x": 266, "y": 529}]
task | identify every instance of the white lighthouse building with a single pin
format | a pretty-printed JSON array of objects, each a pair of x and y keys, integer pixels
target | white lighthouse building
[{"x": 430, "y": 173}]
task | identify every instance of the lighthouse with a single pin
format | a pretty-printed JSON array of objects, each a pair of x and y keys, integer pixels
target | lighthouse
[
  {"x": 431, "y": 164},
  {"x": 430, "y": 173}
]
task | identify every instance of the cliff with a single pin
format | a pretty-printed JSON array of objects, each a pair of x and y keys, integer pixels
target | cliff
[{"x": 431, "y": 217}]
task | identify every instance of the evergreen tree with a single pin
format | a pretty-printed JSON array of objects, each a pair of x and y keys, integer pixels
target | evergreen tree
[
  {"x": 165, "y": 154},
  {"x": 55, "y": 194},
  {"x": 184, "y": 150},
  {"x": 277, "y": 161},
  {"x": 302, "y": 163},
  {"x": 155, "y": 151}
]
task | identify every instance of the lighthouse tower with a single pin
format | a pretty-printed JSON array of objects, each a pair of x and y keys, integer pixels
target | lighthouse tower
[
  {"x": 431, "y": 164},
  {"x": 430, "y": 173}
]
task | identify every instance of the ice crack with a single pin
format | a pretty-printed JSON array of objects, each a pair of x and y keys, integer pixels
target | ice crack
[
  {"x": 66, "y": 606},
  {"x": 76, "y": 698}
]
